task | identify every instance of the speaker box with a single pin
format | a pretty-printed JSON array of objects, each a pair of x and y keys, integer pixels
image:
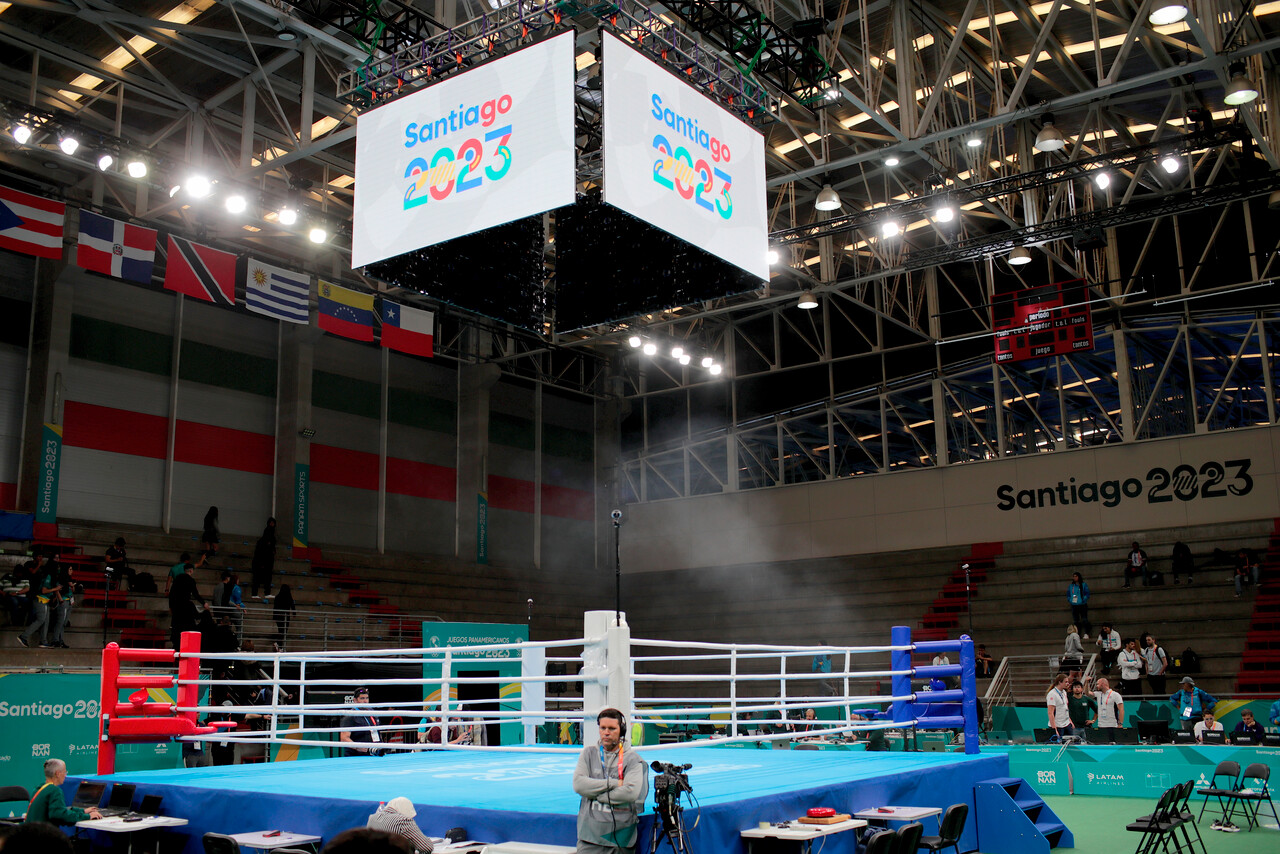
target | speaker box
[{"x": 1088, "y": 238}]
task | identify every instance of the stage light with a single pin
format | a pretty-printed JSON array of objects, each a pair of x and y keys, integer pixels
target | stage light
[
  {"x": 1019, "y": 256},
  {"x": 1167, "y": 12},
  {"x": 236, "y": 203},
  {"x": 890, "y": 228},
  {"x": 807, "y": 301},
  {"x": 828, "y": 199},
  {"x": 833, "y": 93},
  {"x": 105, "y": 159},
  {"x": 317, "y": 234},
  {"x": 707, "y": 361},
  {"x": 198, "y": 186},
  {"x": 677, "y": 352},
  {"x": 137, "y": 168},
  {"x": 685, "y": 358},
  {"x": 892, "y": 160},
  {"x": 287, "y": 215},
  {"x": 173, "y": 191},
  {"x": 68, "y": 144},
  {"x": 772, "y": 257},
  {"x": 974, "y": 141},
  {"x": 1241, "y": 90},
  {"x": 21, "y": 133},
  {"x": 1102, "y": 178},
  {"x": 1049, "y": 138},
  {"x": 715, "y": 370},
  {"x": 1171, "y": 163},
  {"x": 284, "y": 34},
  {"x": 945, "y": 211},
  {"x": 634, "y": 341},
  {"x": 650, "y": 349}
]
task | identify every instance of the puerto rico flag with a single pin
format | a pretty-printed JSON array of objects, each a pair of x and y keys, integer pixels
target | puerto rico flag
[
  {"x": 31, "y": 225},
  {"x": 200, "y": 271},
  {"x": 345, "y": 312},
  {"x": 116, "y": 248},
  {"x": 408, "y": 330}
]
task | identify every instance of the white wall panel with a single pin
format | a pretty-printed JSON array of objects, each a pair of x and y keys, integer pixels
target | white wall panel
[
  {"x": 342, "y": 515},
  {"x": 425, "y": 377},
  {"x": 109, "y": 487},
  {"x": 511, "y": 462},
  {"x": 234, "y": 330},
  {"x": 13, "y": 369},
  {"x": 104, "y": 385},
  {"x": 348, "y": 358},
  {"x": 426, "y": 446},
  {"x": 243, "y": 499},
  {"x": 342, "y": 430},
  {"x": 224, "y": 407}
]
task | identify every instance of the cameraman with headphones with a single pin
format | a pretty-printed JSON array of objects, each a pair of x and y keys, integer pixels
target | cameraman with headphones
[{"x": 613, "y": 782}]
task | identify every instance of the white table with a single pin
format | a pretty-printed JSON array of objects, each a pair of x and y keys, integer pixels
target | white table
[
  {"x": 259, "y": 840},
  {"x": 794, "y": 831},
  {"x": 898, "y": 813},
  {"x": 119, "y": 825}
]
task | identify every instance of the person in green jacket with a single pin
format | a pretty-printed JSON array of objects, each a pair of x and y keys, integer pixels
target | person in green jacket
[{"x": 49, "y": 804}]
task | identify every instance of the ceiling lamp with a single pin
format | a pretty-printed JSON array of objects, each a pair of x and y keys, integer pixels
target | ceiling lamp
[
  {"x": 892, "y": 160},
  {"x": 650, "y": 349},
  {"x": 1049, "y": 138},
  {"x": 677, "y": 352},
  {"x": 685, "y": 358},
  {"x": 715, "y": 370},
  {"x": 1240, "y": 90},
  {"x": 105, "y": 159},
  {"x": 137, "y": 168},
  {"x": 1171, "y": 163},
  {"x": 317, "y": 234},
  {"x": 634, "y": 341},
  {"x": 807, "y": 301},
  {"x": 707, "y": 361},
  {"x": 285, "y": 34},
  {"x": 1019, "y": 256},
  {"x": 68, "y": 144},
  {"x": 198, "y": 186},
  {"x": 828, "y": 199},
  {"x": 890, "y": 228},
  {"x": 22, "y": 133},
  {"x": 1102, "y": 178},
  {"x": 945, "y": 211},
  {"x": 236, "y": 203},
  {"x": 1167, "y": 12},
  {"x": 287, "y": 215},
  {"x": 974, "y": 141},
  {"x": 772, "y": 257}
]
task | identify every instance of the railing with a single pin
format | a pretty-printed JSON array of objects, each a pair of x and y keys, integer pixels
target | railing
[
  {"x": 1025, "y": 679},
  {"x": 318, "y": 630}
]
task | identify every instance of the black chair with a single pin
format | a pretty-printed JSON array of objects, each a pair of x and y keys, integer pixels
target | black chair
[
  {"x": 1252, "y": 797},
  {"x": 949, "y": 830},
  {"x": 882, "y": 843},
  {"x": 217, "y": 843},
  {"x": 1181, "y": 807},
  {"x": 12, "y": 794},
  {"x": 1158, "y": 827},
  {"x": 1231, "y": 772},
  {"x": 909, "y": 838}
]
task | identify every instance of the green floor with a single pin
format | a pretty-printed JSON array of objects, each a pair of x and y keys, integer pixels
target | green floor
[{"x": 1098, "y": 825}]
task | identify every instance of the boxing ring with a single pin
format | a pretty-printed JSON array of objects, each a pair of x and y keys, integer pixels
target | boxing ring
[{"x": 521, "y": 790}]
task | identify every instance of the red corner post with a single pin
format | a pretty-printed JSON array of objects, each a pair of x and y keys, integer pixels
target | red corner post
[{"x": 106, "y": 704}]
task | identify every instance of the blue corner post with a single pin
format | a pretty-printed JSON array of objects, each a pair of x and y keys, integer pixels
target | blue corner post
[
  {"x": 900, "y": 659},
  {"x": 969, "y": 687}
]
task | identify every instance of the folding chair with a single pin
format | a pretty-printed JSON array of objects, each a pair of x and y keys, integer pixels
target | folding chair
[
  {"x": 1157, "y": 829},
  {"x": 1231, "y": 771},
  {"x": 949, "y": 830},
  {"x": 909, "y": 838},
  {"x": 218, "y": 843},
  {"x": 882, "y": 843},
  {"x": 1182, "y": 809},
  {"x": 1251, "y": 798},
  {"x": 14, "y": 794}
]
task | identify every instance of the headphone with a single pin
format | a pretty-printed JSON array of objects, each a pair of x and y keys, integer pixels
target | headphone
[{"x": 617, "y": 715}]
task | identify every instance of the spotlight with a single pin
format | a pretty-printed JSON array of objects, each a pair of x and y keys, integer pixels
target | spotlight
[
  {"x": 715, "y": 370},
  {"x": 105, "y": 159},
  {"x": 1049, "y": 138},
  {"x": 1241, "y": 90},
  {"x": 1102, "y": 178},
  {"x": 772, "y": 256},
  {"x": 317, "y": 234},
  {"x": 685, "y": 359},
  {"x": 1167, "y": 12},
  {"x": 707, "y": 361},
  {"x": 677, "y": 352},
  {"x": 173, "y": 191},
  {"x": 833, "y": 93},
  {"x": 236, "y": 203},
  {"x": 21, "y": 133},
  {"x": 890, "y": 228},
  {"x": 974, "y": 141},
  {"x": 807, "y": 301},
  {"x": 68, "y": 144},
  {"x": 892, "y": 160},
  {"x": 136, "y": 168},
  {"x": 287, "y": 215},
  {"x": 634, "y": 341},
  {"x": 1171, "y": 163},
  {"x": 650, "y": 348},
  {"x": 1019, "y": 256},
  {"x": 945, "y": 211},
  {"x": 828, "y": 199},
  {"x": 284, "y": 34},
  {"x": 198, "y": 186}
]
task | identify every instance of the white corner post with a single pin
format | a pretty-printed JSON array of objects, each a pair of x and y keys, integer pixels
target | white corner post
[{"x": 606, "y": 670}]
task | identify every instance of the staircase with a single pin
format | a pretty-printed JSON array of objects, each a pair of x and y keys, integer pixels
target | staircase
[
  {"x": 1013, "y": 819},
  {"x": 1260, "y": 662},
  {"x": 943, "y": 618}
]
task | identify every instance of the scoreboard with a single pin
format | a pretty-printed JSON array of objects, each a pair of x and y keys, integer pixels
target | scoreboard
[{"x": 1050, "y": 320}]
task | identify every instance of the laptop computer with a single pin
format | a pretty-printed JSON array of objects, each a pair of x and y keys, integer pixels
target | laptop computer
[
  {"x": 149, "y": 807},
  {"x": 1215, "y": 737},
  {"x": 121, "y": 800},
  {"x": 1243, "y": 738},
  {"x": 1183, "y": 736},
  {"x": 88, "y": 794}
]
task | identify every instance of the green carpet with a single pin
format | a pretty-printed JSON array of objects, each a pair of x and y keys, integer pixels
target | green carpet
[{"x": 1098, "y": 825}]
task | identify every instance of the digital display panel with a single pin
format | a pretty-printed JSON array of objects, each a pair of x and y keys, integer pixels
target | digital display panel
[
  {"x": 484, "y": 148},
  {"x": 1051, "y": 320},
  {"x": 680, "y": 162}
]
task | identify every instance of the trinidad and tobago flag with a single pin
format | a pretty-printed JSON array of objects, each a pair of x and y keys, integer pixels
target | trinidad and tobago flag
[{"x": 201, "y": 272}]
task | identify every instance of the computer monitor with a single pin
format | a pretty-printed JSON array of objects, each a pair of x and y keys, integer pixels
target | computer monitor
[
  {"x": 1271, "y": 739},
  {"x": 1243, "y": 738},
  {"x": 150, "y": 804},
  {"x": 1215, "y": 736},
  {"x": 1153, "y": 732},
  {"x": 88, "y": 794},
  {"x": 1183, "y": 736},
  {"x": 121, "y": 796}
]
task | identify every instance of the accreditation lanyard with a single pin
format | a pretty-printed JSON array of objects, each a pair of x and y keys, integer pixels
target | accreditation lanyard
[{"x": 603, "y": 766}]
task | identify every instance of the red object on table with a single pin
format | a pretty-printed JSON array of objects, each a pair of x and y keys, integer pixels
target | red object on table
[{"x": 821, "y": 812}]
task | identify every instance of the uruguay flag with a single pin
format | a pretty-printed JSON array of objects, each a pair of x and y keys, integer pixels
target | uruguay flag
[
  {"x": 116, "y": 248},
  {"x": 406, "y": 329}
]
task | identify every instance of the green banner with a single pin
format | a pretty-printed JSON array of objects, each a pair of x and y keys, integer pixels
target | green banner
[
  {"x": 482, "y": 528},
  {"x": 301, "y": 498},
  {"x": 47, "y": 489},
  {"x": 498, "y": 663}
]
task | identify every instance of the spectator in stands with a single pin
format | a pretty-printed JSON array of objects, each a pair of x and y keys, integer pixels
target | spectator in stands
[
  {"x": 116, "y": 564},
  {"x": 1109, "y": 645},
  {"x": 354, "y": 732},
  {"x": 283, "y": 611},
  {"x": 46, "y": 593},
  {"x": 183, "y": 616},
  {"x": 362, "y": 840},
  {"x": 62, "y": 613},
  {"x": 1083, "y": 707},
  {"x": 264, "y": 559},
  {"x": 1135, "y": 564},
  {"x": 1246, "y": 570},
  {"x": 49, "y": 805},
  {"x": 1248, "y": 725},
  {"x": 984, "y": 664},
  {"x": 1182, "y": 561},
  {"x": 1110, "y": 707},
  {"x": 17, "y": 587},
  {"x": 1078, "y": 598},
  {"x": 210, "y": 536},
  {"x": 1157, "y": 663},
  {"x": 396, "y": 817},
  {"x": 235, "y": 605},
  {"x": 1130, "y": 661},
  {"x": 221, "y": 591},
  {"x": 1192, "y": 703},
  {"x": 179, "y": 568},
  {"x": 1072, "y": 653},
  {"x": 1208, "y": 724},
  {"x": 1058, "y": 706}
]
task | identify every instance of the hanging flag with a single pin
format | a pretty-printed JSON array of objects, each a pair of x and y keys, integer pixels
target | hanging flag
[
  {"x": 406, "y": 329},
  {"x": 116, "y": 248},
  {"x": 200, "y": 271},
  {"x": 30, "y": 224},
  {"x": 346, "y": 312},
  {"x": 277, "y": 292}
]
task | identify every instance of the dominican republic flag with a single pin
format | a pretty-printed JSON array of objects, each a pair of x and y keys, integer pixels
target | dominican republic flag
[
  {"x": 346, "y": 312},
  {"x": 408, "y": 330},
  {"x": 30, "y": 224},
  {"x": 277, "y": 292},
  {"x": 116, "y": 248},
  {"x": 200, "y": 271}
]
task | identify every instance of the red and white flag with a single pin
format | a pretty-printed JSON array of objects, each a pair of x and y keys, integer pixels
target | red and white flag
[
  {"x": 409, "y": 330},
  {"x": 200, "y": 271},
  {"x": 31, "y": 224},
  {"x": 116, "y": 248}
]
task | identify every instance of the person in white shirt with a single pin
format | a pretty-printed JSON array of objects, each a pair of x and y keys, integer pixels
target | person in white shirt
[
  {"x": 1157, "y": 663},
  {"x": 1130, "y": 661},
  {"x": 1110, "y": 706},
  {"x": 1056, "y": 703},
  {"x": 1109, "y": 646},
  {"x": 1208, "y": 724}
]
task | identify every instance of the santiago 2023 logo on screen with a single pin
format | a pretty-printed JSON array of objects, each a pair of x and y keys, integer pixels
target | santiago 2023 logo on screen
[
  {"x": 706, "y": 185},
  {"x": 451, "y": 170}
]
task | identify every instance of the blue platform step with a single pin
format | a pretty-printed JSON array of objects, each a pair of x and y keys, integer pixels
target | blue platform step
[{"x": 1013, "y": 819}]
